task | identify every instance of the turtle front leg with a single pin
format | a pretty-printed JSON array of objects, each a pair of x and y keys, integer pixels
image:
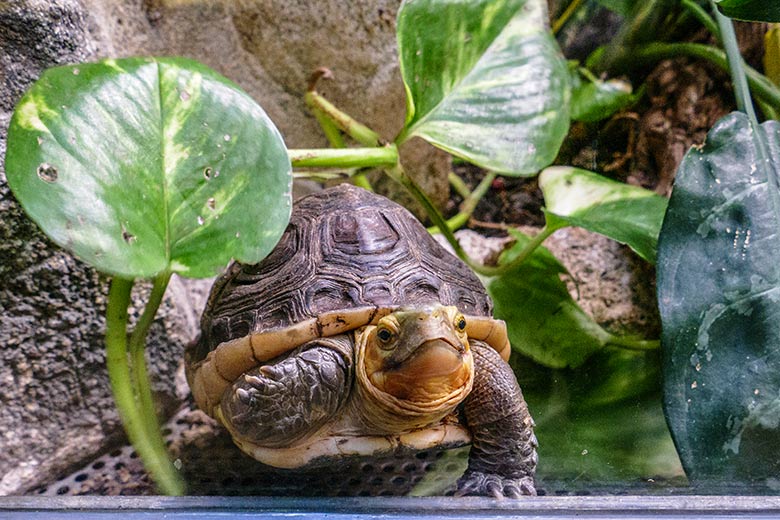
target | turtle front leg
[
  {"x": 283, "y": 401},
  {"x": 503, "y": 456}
]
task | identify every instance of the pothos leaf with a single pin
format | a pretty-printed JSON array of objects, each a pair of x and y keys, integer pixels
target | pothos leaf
[
  {"x": 485, "y": 81},
  {"x": 629, "y": 214},
  {"x": 148, "y": 165},
  {"x": 543, "y": 321}
]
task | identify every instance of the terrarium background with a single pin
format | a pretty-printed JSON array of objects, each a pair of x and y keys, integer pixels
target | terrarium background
[{"x": 58, "y": 429}]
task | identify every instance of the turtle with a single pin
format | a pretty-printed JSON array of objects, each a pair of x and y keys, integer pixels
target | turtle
[{"x": 358, "y": 335}]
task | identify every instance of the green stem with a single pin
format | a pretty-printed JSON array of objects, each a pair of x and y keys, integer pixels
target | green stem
[
  {"x": 139, "y": 372},
  {"x": 570, "y": 10},
  {"x": 633, "y": 343},
  {"x": 469, "y": 204},
  {"x": 744, "y": 102},
  {"x": 155, "y": 460},
  {"x": 738, "y": 77},
  {"x": 336, "y": 140},
  {"x": 400, "y": 176},
  {"x": 459, "y": 186},
  {"x": 331, "y": 131},
  {"x": 356, "y": 130},
  {"x": 344, "y": 157},
  {"x": 760, "y": 84},
  {"x": 525, "y": 253},
  {"x": 701, "y": 15}
]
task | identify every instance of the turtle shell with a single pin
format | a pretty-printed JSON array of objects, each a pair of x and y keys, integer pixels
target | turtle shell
[
  {"x": 344, "y": 248},
  {"x": 347, "y": 258}
]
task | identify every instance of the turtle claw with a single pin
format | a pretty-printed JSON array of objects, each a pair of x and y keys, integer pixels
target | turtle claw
[{"x": 476, "y": 483}]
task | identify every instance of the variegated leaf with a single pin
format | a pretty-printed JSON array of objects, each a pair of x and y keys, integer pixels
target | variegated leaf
[
  {"x": 141, "y": 166},
  {"x": 485, "y": 81}
]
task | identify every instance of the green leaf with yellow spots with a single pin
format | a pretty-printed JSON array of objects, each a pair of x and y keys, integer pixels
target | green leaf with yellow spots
[
  {"x": 485, "y": 81},
  {"x": 142, "y": 166}
]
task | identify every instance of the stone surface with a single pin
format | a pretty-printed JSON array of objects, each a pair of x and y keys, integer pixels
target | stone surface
[{"x": 57, "y": 409}]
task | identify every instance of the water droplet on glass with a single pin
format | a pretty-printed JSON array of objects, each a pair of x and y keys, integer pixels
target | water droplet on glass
[
  {"x": 756, "y": 391},
  {"x": 211, "y": 203},
  {"x": 47, "y": 172},
  {"x": 207, "y": 172},
  {"x": 76, "y": 72},
  {"x": 185, "y": 96},
  {"x": 205, "y": 123},
  {"x": 226, "y": 137},
  {"x": 200, "y": 220}
]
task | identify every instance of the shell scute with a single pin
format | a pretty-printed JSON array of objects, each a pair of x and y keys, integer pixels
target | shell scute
[{"x": 345, "y": 248}]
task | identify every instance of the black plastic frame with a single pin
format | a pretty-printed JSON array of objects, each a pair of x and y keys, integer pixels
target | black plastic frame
[{"x": 132, "y": 508}]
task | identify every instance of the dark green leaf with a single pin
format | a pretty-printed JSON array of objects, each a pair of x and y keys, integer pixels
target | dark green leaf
[
  {"x": 543, "y": 321},
  {"x": 719, "y": 296},
  {"x": 628, "y": 214},
  {"x": 593, "y": 101},
  {"x": 751, "y": 10},
  {"x": 141, "y": 166},
  {"x": 485, "y": 81},
  {"x": 626, "y": 442}
]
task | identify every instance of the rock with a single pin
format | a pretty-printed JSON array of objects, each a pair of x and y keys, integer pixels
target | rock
[{"x": 57, "y": 410}]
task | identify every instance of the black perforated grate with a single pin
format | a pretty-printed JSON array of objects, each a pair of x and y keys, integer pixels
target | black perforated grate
[{"x": 212, "y": 465}]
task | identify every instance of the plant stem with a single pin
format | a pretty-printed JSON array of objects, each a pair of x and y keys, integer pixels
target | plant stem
[
  {"x": 761, "y": 86},
  {"x": 336, "y": 140},
  {"x": 398, "y": 174},
  {"x": 701, "y": 15},
  {"x": 469, "y": 204},
  {"x": 356, "y": 130},
  {"x": 459, "y": 186},
  {"x": 331, "y": 131},
  {"x": 139, "y": 372},
  {"x": 384, "y": 156},
  {"x": 525, "y": 253},
  {"x": 155, "y": 460},
  {"x": 633, "y": 343},
  {"x": 570, "y": 10},
  {"x": 738, "y": 77},
  {"x": 744, "y": 102}
]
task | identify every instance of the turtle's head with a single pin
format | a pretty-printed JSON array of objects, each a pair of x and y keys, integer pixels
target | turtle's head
[{"x": 419, "y": 355}]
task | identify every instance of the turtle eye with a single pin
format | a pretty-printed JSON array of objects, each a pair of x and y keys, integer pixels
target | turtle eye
[
  {"x": 460, "y": 323},
  {"x": 384, "y": 335}
]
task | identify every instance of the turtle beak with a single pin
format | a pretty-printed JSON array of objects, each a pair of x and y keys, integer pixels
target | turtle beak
[{"x": 434, "y": 358}]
